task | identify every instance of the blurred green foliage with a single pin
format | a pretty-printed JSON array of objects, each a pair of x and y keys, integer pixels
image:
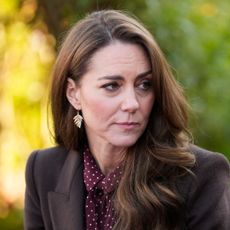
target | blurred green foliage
[
  {"x": 195, "y": 38},
  {"x": 193, "y": 34}
]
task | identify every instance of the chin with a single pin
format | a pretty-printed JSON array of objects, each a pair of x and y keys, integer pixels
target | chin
[{"x": 124, "y": 142}]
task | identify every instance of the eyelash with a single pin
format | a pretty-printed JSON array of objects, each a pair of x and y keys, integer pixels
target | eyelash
[
  {"x": 147, "y": 85},
  {"x": 108, "y": 86},
  {"x": 113, "y": 86}
]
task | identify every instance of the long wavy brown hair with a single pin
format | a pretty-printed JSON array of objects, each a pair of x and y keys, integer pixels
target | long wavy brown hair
[{"x": 146, "y": 197}]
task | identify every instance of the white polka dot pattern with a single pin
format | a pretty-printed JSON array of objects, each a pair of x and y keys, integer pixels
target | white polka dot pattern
[{"x": 99, "y": 210}]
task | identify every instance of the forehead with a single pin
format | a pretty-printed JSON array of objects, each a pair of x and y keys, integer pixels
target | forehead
[{"x": 120, "y": 56}]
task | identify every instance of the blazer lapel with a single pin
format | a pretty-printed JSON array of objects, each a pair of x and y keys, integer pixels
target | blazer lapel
[{"x": 66, "y": 203}]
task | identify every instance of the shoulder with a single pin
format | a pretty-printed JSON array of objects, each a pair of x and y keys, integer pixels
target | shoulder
[
  {"x": 50, "y": 158},
  {"x": 209, "y": 162},
  {"x": 42, "y": 157},
  {"x": 210, "y": 172},
  {"x": 44, "y": 166},
  {"x": 207, "y": 191}
]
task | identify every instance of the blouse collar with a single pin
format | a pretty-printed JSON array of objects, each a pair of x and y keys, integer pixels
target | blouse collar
[{"x": 94, "y": 178}]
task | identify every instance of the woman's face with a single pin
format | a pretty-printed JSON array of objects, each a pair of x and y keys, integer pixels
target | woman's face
[{"x": 116, "y": 95}]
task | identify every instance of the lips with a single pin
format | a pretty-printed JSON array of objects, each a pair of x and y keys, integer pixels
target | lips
[{"x": 127, "y": 125}]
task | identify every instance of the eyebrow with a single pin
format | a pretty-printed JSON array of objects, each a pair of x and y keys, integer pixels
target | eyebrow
[{"x": 119, "y": 77}]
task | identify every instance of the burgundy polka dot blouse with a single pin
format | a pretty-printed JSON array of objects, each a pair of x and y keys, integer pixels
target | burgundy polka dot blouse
[{"x": 99, "y": 210}]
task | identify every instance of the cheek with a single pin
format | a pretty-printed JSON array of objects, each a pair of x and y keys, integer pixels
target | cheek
[
  {"x": 97, "y": 108},
  {"x": 147, "y": 106}
]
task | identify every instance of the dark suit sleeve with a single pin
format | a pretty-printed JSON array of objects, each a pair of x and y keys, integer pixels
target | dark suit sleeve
[
  {"x": 33, "y": 217},
  {"x": 209, "y": 194}
]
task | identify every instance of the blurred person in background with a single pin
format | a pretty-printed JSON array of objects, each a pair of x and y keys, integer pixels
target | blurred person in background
[{"x": 124, "y": 157}]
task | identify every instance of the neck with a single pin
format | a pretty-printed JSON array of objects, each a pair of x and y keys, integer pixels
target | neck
[{"x": 108, "y": 157}]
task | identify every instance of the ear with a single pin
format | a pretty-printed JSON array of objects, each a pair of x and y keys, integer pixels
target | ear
[{"x": 73, "y": 94}]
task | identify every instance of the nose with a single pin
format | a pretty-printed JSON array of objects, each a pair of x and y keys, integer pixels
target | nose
[{"x": 130, "y": 102}]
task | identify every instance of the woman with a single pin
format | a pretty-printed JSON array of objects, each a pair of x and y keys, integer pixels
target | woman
[{"x": 127, "y": 162}]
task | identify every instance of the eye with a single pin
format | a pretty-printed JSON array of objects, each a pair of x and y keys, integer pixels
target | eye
[
  {"x": 111, "y": 86},
  {"x": 145, "y": 85}
]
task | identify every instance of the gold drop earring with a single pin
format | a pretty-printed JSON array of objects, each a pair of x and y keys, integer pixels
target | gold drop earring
[{"x": 78, "y": 120}]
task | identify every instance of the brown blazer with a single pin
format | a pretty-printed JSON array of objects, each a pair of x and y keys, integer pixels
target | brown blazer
[{"x": 55, "y": 192}]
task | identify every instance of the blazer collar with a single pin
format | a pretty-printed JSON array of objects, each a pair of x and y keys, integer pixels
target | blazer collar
[{"x": 66, "y": 203}]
